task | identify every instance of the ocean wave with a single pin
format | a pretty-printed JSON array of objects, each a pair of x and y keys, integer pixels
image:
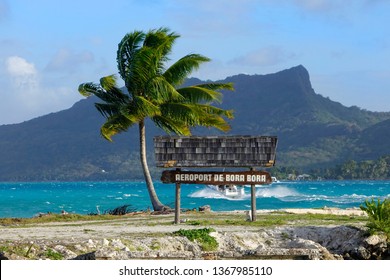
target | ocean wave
[
  {"x": 277, "y": 192},
  {"x": 209, "y": 193},
  {"x": 130, "y": 194},
  {"x": 343, "y": 199}
]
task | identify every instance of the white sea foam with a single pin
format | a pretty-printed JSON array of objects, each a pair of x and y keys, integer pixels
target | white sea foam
[
  {"x": 277, "y": 192},
  {"x": 130, "y": 194},
  {"x": 209, "y": 193}
]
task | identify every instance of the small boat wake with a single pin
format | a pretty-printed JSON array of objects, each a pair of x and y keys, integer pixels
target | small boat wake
[
  {"x": 280, "y": 192},
  {"x": 277, "y": 192},
  {"x": 221, "y": 192}
]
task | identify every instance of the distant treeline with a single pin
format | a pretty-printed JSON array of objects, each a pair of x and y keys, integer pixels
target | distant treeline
[{"x": 378, "y": 169}]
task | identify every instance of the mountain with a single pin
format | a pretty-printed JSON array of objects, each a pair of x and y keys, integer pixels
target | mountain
[
  {"x": 62, "y": 146},
  {"x": 313, "y": 131}
]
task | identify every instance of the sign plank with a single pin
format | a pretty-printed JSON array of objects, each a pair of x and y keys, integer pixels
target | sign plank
[
  {"x": 215, "y": 151},
  {"x": 216, "y": 178}
]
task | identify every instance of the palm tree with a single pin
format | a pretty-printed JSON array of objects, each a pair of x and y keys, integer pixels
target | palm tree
[{"x": 152, "y": 91}]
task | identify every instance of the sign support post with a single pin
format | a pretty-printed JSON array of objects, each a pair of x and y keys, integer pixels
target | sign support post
[
  {"x": 177, "y": 201},
  {"x": 253, "y": 200}
]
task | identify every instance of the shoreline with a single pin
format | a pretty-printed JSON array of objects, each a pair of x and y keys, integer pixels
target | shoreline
[
  {"x": 152, "y": 236},
  {"x": 355, "y": 211},
  {"x": 149, "y": 222}
]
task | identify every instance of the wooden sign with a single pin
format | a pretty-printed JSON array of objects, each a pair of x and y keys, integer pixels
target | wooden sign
[
  {"x": 216, "y": 178},
  {"x": 215, "y": 151}
]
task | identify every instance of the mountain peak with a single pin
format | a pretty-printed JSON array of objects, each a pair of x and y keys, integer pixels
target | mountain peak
[{"x": 296, "y": 73}]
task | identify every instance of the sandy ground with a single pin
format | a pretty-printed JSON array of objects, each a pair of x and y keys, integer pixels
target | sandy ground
[
  {"x": 141, "y": 225},
  {"x": 333, "y": 211}
]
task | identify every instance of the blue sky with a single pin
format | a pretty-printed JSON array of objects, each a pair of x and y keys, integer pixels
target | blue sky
[{"x": 49, "y": 47}]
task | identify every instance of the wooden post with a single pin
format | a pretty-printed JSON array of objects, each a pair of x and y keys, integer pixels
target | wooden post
[
  {"x": 177, "y": 202},
  {"x": 253, "y": 199}
]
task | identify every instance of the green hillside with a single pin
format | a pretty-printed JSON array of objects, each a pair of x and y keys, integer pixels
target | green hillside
[{"x": 313, "y": 131}]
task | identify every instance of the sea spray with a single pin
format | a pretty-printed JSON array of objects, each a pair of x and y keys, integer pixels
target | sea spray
[{"x": 277, "y": 191}]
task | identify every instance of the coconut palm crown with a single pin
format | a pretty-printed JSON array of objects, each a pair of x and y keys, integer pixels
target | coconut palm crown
[{"x": 153, "y": 91}]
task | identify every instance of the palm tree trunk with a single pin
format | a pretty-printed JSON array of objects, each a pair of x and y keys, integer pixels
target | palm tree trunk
[{"x": 157, "y": 205}]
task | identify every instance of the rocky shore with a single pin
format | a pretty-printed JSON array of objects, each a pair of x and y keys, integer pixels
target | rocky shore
[{"x": 136, "y": 239}]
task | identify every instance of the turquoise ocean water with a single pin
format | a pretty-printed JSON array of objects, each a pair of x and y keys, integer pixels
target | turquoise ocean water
[{"x": 25, "y": 199}]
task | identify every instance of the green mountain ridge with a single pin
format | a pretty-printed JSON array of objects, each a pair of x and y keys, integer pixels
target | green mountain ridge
[{"x": 313, "y": 131}]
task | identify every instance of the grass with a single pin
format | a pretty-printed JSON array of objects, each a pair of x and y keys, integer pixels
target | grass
[
  {"x": 272, "y": 219},
  {"x": 202, "y": 236},
  {"x": 53, "y": 255},
  {"x": 193, "y": 218},
  {"x": 50, "y": 218}
]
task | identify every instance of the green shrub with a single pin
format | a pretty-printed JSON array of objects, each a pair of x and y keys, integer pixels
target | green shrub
[
  {"x": 378, "y": 215},
  {"x": 207, "y": 242},
  {"x": 53, "y": 255}
]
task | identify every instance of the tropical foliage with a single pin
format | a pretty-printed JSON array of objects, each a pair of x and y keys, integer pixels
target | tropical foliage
[
  {"x": 379, "y": 215},
  {"x": 202, "y": 236},
  {"x": 378, "y": 169},
  {"x": 153, "y": 91}
]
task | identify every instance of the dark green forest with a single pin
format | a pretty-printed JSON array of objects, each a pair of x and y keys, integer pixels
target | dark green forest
[{"x": 378, "y": 169}]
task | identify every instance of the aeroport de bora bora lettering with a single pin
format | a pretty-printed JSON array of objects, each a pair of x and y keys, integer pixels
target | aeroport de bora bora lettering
[{"x": 232, "y": 178}]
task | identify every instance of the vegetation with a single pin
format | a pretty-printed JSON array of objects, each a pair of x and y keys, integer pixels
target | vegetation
[
  {"x": 272, "y": 219},
  {"x": 378, "y": 169},
  {"x": 367, "y": 169},
  {"x": 207, "y": 242},
  {"x": 193, "y": 218},
  {"x": 50, "y": 218},
  {"x": 152, "y": 93},
  {"x": 53, "y": 255},
  {"x": 379, "y": 215}
]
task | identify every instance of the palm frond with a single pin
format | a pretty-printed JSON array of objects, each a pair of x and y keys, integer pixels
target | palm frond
[
  {"x": 212, "y": 110},
  {"x": 88, "y": 89},
  {"x": 108, "y": 82},
  {"x": 195, "y": 94},
  {"x": 160, "y": 90},
  {"x": 217, "y": 86},
  {"x": 161, "y": 40},
  {"x": 197, "y": 115},
  {"x": 216, "y": 121},
  {"x": 181, "y": 112},
  {"x": 127, "y": 47},
  {"x": 140, "y": 108},
  {"x": 114, "y": 125},
  {"x": 141, "y": 70},
  {"x": 112, "y": 95},
  {"x": 170, "y": 125},
  {"x": 107, "y": 110},
  {"x": 179, "y": 71}
]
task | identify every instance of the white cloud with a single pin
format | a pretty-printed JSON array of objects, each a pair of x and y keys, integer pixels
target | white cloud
[
  {"x": 18, "y": 66},
  {"x": 22, "y": 73},
  {"x": 25, "y": 96}
]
